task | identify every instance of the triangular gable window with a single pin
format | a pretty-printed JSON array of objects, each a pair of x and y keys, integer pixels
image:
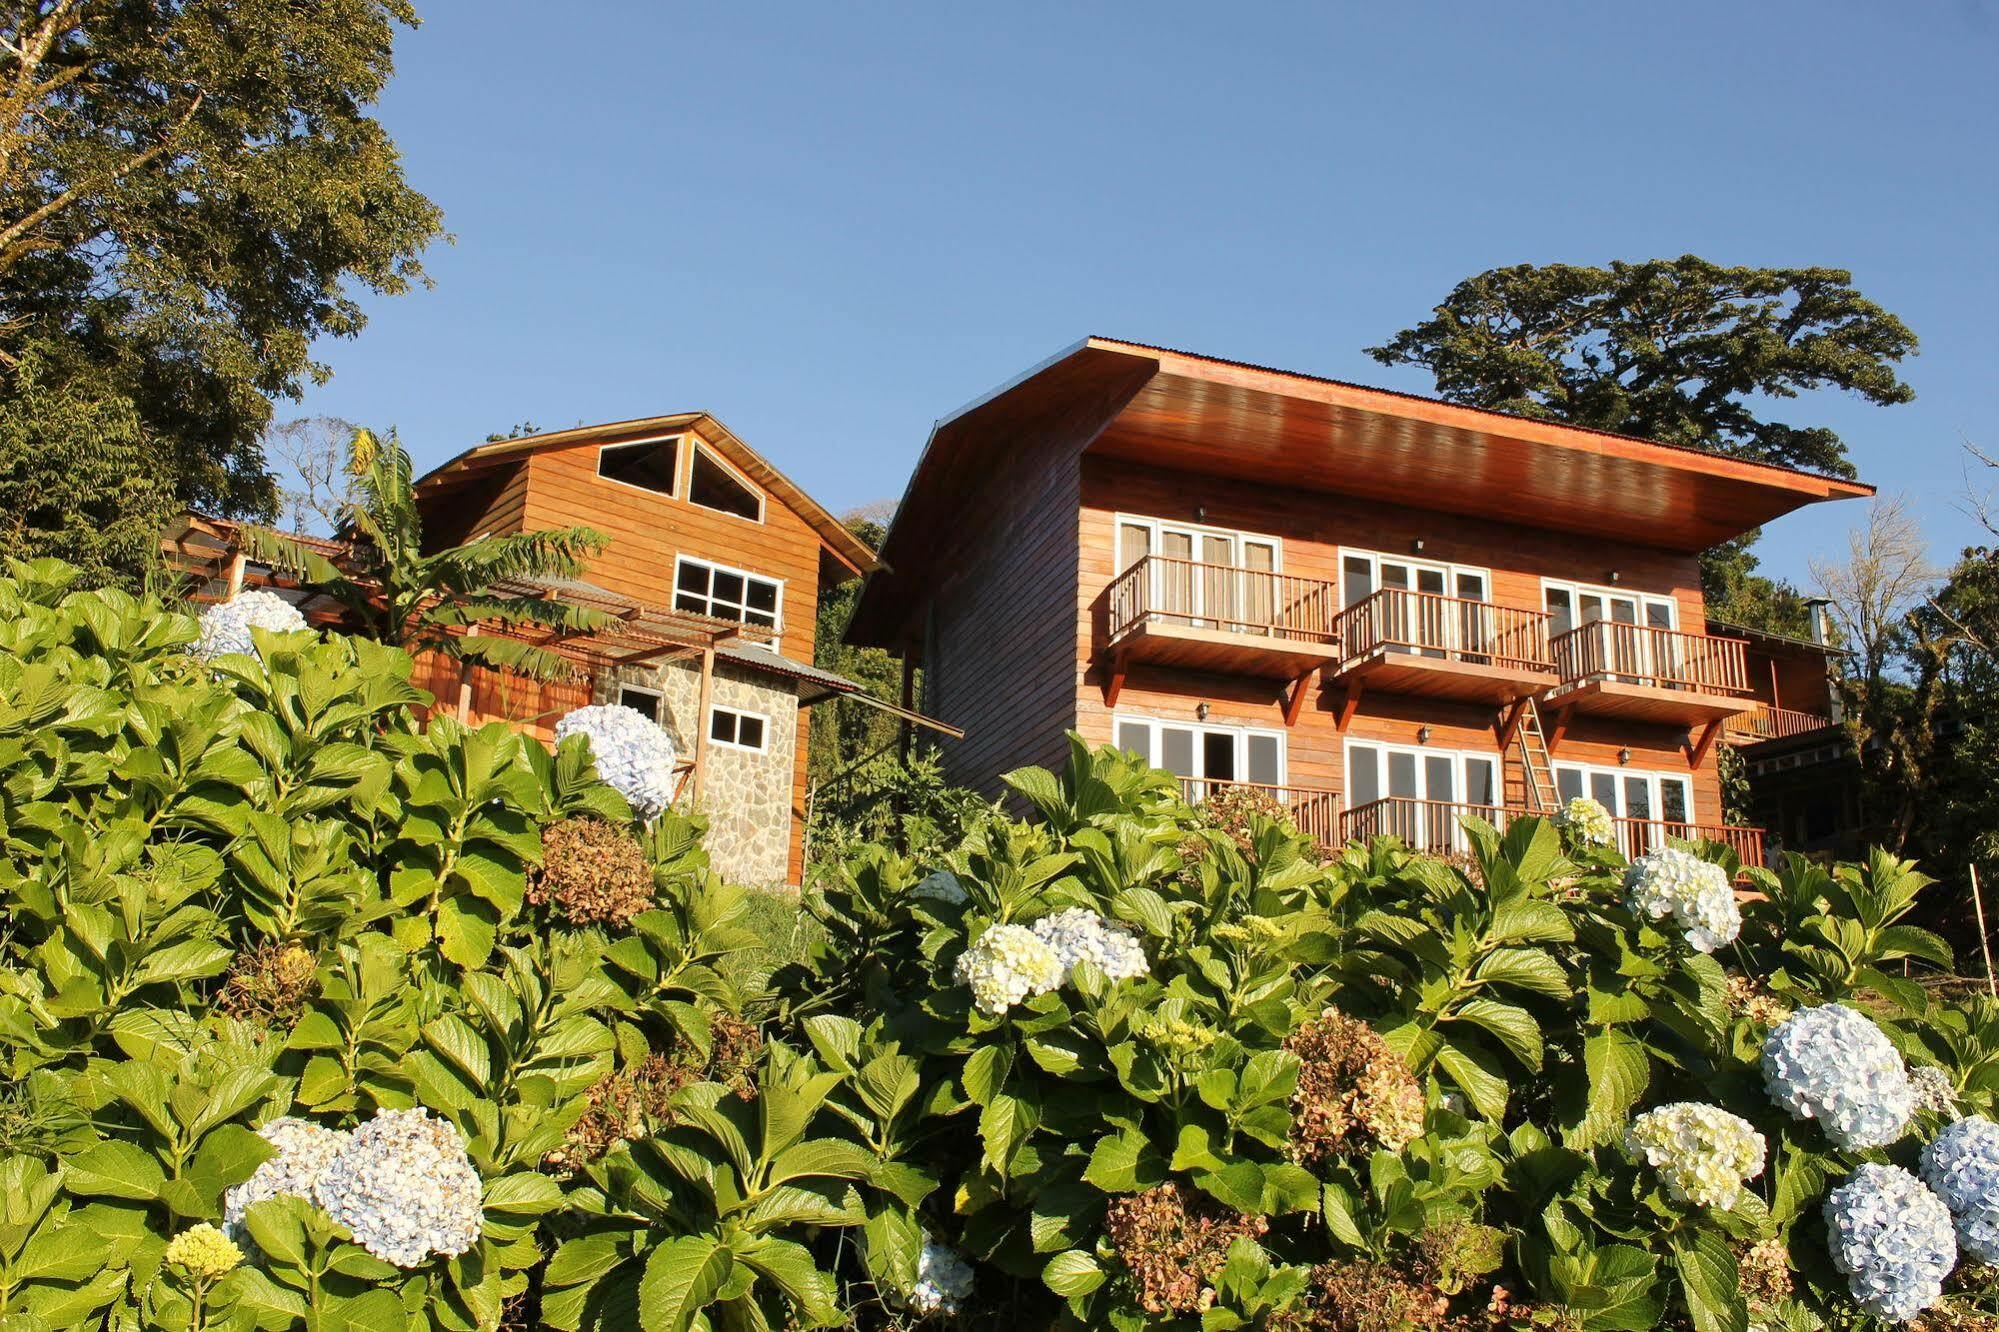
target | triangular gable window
[
  {"x": 715, "y": 485},
  {"x": 652, "y": 465}
]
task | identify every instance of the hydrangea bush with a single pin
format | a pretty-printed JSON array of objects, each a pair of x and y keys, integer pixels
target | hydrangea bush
[{"x": 303, "y": 1028}]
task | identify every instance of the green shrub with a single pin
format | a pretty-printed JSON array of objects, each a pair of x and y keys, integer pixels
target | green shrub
[{"x": 1210, "y": 1077}]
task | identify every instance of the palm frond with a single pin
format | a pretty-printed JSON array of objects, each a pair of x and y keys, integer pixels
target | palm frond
[
  {"x": 559, "y": 616},
  {"x": 286, "y": 554},
  {"x": 555, "y": 553},
  {"x": 511, "y": 654}
]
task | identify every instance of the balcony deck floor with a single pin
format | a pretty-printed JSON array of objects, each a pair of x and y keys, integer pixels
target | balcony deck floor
[
  {"x": 1647, "y": 703},
  {"x": 1199, "y": 648},
  {"x": 1442, "y": 677}
]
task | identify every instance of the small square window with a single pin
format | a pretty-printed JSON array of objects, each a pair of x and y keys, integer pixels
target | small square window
[
  {"x": 645, "y": 701},
  {"x": 739, "y": 730}
]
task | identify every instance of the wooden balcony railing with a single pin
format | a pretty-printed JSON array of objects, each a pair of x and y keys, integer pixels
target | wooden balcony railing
[
  {"x": 1767, "y": 723},
  {"x": 1220, "y": 596},
  {"x": 1450, "y": 628},
  {"x": 1664, "y": 658},
  {"x": 1315, "y": 811},
  {"x": 1432, "y": 825}
]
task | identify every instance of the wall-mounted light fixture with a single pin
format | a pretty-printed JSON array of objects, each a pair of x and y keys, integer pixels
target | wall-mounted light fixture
[
  {"x": 1417, "y": 545},
  {"x": 1200, "y": 513},
  {"x": 1614, "y": 576},
  {"x": 1422, "y": 735},
  {"x": 1624, "y": 757},
  {"x": 1201, "y": 710}
]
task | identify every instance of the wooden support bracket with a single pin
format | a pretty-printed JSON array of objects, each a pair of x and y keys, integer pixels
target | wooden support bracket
[
  {"x": 1509, "y": 722},
  {"x": 1559, "y": 729},
  {"x": 1114, "y": 679},
  {"x": 1295, "y": 703},
  {"x": 1697, "y": 749},
  {"x": 1349, "y": 706}
]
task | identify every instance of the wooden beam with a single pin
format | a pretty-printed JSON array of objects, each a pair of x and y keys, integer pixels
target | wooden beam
[
  {"x": 1697, "y": 749},
  {"x": 1509, "y": 723},
  {"x": 1114, "y": 679},
  {"x": 465, "y": 690},
  {"x": 1349, "y": 706},
  {"x": 1553, "y": 738},
  {"x": 237, "y": 564},
  {"x": 907, "y": 738},
  {"x": 707, "y": 698},
  {"x": 1295, "y": 704}
]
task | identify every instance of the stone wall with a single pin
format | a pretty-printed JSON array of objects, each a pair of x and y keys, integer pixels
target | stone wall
[{"x": 748, "y": 795}]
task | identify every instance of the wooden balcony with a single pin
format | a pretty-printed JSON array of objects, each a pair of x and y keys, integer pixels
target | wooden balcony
[
  {"x": 1314, "y": 810},
  {"x": 1767, "y": 723},
  {"x": 1432, "y": 825},
  {"x": 1651, "y": 675},
  {"x": 1444, "y": 647},
  {"x": 1215, "y": 617}
]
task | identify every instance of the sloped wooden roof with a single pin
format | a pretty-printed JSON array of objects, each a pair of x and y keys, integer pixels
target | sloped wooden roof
[{"x": 1209, "y": 416}]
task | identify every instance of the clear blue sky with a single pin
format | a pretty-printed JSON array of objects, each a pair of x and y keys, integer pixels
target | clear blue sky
[{"x": 831, "y": 223}]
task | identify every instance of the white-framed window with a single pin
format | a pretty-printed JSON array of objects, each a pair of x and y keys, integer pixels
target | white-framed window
[
  {"x": 1365, "y": 572},
  {"x": 1202, "y": 753},
  {"x": 646, "y": 464},
  {"x": 1628, "y": 655},
  {"x": 1419, "y": 792},
  {"x": 713, "y": 484},
  {"x": 1415, "y": 624},
  {"x": 1207, "y": 576},
  {"x": 1630, "y": 793},
  {"x": 643, "y": 700},
  {"x": 738, "y": 729},
  {"x": 706, "y": 588}
]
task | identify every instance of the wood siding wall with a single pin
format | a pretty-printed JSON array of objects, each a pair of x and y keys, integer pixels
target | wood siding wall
[
  {"x": 1000, "y": 655},
  {"x": 1313, "y": 528}
]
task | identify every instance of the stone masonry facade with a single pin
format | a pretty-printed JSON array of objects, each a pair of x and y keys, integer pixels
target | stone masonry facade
[{"x": 747, "y": 799}]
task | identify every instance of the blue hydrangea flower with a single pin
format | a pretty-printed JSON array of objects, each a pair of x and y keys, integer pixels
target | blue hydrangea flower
[
  {"x": 943, "y": 1280},
  {"x": 1892, "y": 1238},
  {"x": 226, "y": 626},
  {"x": 1962, "y": 1166},
  {"x": 1078, "y": 934},
  {"x": 634, "y": 754},
  {"x": 1834, "y": 1065},
  {"x": 403, "y": 1184}
]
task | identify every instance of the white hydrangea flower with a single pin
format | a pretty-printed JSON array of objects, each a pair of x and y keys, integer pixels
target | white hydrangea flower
[
  {"x": 304, "y": 1148},
  {"x": 1962, "y": 1166},
  {"x": 943, "y": 1280},
  {"x": 1892, "y": 1238},
  {"x": 1587, "y": 821},
  {"x": 1076, "y": 934},
  {"x": 1834, "y": 1065},
  {"x": 1702, "y": 1152},
  {"x": 404, "y": 1186},
  {"x": 634, "y": 754},
  {"x": 941, "y": 885},
  {"x": 1006, "y": 965},
  {"x": 1934, "y": 1089},
  {"x": 1671, "y": 882},
  {"x": 225, "y": 626}
]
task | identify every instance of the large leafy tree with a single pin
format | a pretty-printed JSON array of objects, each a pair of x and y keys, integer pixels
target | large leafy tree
[
  {"x": 191, "y": 192},
  {"x": 443, "y": 600},
  {"x": 1683, "y": 351}
]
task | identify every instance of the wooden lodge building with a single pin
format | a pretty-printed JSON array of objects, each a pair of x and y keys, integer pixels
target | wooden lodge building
[
  {"x": 1383, "y": 610},
  {"x": 715, "y": 565}
]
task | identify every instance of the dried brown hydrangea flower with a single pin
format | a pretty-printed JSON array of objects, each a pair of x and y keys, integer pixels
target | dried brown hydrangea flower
[
  {"x": 269, "y": 983},
  {"x": 1373, "y": 1297},
  {"x": 1173, "y": 1241},
  {"x": 635, "y": 1102},
  {"x": 1747, "y": 998},
  {"x": 592, "y": 872},
  {"x": 1765, "y": 1269},
  {"x": 1354, "y": 1093}
]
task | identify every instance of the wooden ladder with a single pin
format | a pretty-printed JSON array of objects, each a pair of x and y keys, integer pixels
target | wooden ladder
[{"x": 1538, "y": 767}]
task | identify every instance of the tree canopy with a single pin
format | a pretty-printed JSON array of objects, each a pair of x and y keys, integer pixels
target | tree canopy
[
  {"x": 191, "y": 192},
  {"x": 1682, "y": 351}
]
